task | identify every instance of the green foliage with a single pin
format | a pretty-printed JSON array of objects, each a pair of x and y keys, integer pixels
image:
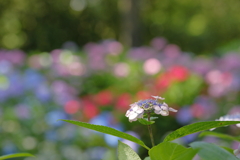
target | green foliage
[
  {"x": 108, "y": 130},
  {"x": 192, "y": 87},
  {"x": 171, "y": 151},
  {"x": 219, "y": 135},
  {"x": 126, "y": 153},
  {"x": 197, "y": 127},
  {"x": 48, "y": 28},
  {"x": 190, "y": 24},
  {"x": 211, "y": 151},
  {"x": 188, "y": 155},
  {"x": 96, "y": 83},
  {"x": 194, "y": 22},
  {"x": 168, "y": 150},
  {"x": 145, "y": 122},
  {"x": 228, "y": 149},
  {"x": 16, "y": 155}
]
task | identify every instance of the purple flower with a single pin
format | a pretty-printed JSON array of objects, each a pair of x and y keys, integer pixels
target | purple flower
[
  {"x": 133, "y": 145},
  {"x": 42, "y": 92},
  {"x": 52, "y": 117},
  {"x": 184, "y": 115}
]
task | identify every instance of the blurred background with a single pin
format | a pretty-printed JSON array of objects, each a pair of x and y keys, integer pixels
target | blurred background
[{"x": 88, "y": 60}]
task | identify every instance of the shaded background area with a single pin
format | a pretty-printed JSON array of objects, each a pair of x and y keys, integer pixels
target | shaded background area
[
  {"x": 196, "y": 26},
  {"x": 88, "y": 60}
]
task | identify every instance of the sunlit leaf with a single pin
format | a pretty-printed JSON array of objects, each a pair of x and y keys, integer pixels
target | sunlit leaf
[
  {"x": 187, "y": 155},
  {"x": 16, "y": 155},
  {"x": 108, "y": 130},
  {"x": 145, "y": 122},
  {"x": 126, "y": 153},
  {"x": 197, "y": 127},
  {"x": 171, "y": 151},
  {"x": 228, "y": 149}
]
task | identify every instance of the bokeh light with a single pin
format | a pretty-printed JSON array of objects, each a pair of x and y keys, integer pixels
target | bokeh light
[
  {"x": 96, "y": 84},
  {"x": 152, "y": 66}
]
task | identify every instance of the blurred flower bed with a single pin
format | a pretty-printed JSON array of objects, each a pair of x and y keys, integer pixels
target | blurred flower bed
[{"x": 97, "y": 84}]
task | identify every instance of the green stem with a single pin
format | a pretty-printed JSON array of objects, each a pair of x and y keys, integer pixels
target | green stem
[{"x": 150, "y": 131}]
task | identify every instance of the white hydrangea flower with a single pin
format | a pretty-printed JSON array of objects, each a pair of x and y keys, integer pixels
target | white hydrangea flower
[
  {"x": 134, "y": 112},
  {"x": 163, "y": 109},
  {"x": 138, "y": 109},
  {"x": 232, "y": 117}
]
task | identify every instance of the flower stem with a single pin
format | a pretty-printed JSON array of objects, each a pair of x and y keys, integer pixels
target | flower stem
[{"x": 150, "y": 131}]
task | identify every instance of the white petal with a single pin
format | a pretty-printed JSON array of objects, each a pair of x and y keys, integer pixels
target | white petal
[
  {"x": 221, "y": 119},
  {"x": 133, "y": 117},
  {"x": 135, "y": 107},
  {"x": 140, "y": 115},
  {"x": 140, "y": 110},
  {"x": 157, "y": 112},
  {"x": 164, "y": 113},
  {"x": 157, "y": 108},
  {"x": 171, "y": 109},
  {"x": 157, "y": 97},
  {"x": 165, "y": 104},
  {"x": 238, "y": 125},
  {"x": 131, "y": 113},
  {"x": 128, "y": 112},
  {"x": 165, "y": 108}
]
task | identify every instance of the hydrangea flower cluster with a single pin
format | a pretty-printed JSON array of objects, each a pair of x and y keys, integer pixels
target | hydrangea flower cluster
[
  {"x": 232, "y": 117},
  {"x": 138, "y": 109}
]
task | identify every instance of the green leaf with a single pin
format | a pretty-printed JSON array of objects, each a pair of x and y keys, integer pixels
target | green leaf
[
  {"x": 197, "y": 127},
  {"x": 108, "y": 130},
  {"x": 16, "y": 155},
  {"x": 145, "y": 122},
  {"x": 187, "y": 155},
  {"x": 147, "y": 158},
  {"x": 211, "y": 151},
  {"x": 171, "y": 151},
  {"x": 126, "y": 153},
  {"x": 228, "y": 149},
  {"x": 219, "y": 135}
]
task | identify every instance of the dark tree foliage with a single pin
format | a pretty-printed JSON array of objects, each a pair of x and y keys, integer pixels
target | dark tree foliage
[{"x": 197, "y": 26}]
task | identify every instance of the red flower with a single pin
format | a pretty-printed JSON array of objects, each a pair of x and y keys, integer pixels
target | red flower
[
  {"x": 90, "y": 110},
  {"x": 123, "y": 102},
  {"x": 103, "y": 98},
  {"x": 178, "y": 73},
  {"x": 72, "y": 107}
]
